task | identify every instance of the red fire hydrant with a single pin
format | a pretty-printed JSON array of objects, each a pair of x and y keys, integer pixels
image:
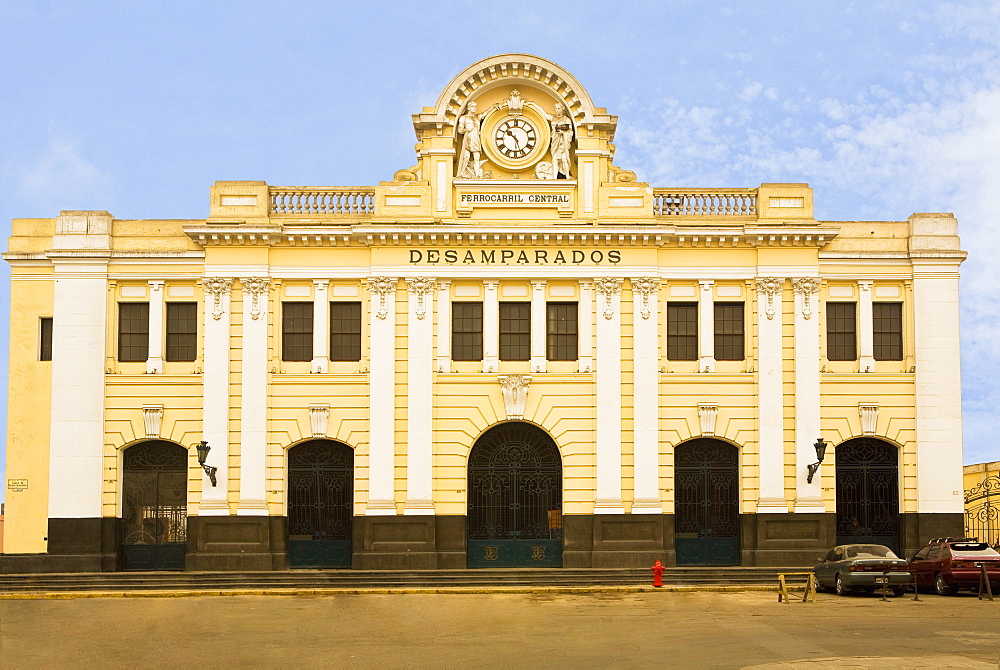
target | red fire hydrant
[{"x": 657, "y": 573}]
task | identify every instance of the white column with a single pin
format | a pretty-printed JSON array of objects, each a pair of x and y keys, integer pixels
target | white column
[
  {"x": 646, "y": 396},
  {"x": 382, "y": 393},
  {"x": 253, "y": 391},
  {"x": 706, "y": 326},
  {"x": 491, "y": 326},
  {"x": 215, "y": 387},
  {"x": 444, "y": 326},
  {"x": 769, "y": 396},
  {"x": 866, "y": 328},
  {"x": 609, "y": 397},
  {"x": 321, "y": 325},
  {"x": 538, "y": 326},
  {"x": 938, "y": 386},
  {"x": 76, "y": 426},
  {"x": 154, "y": 360},
  {"x": 585, "y": 325},
  {"x": 419, "y": 396},
  {"x": 808, "y": 497}
]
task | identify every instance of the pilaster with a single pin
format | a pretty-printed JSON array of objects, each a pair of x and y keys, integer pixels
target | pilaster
[
  {"x": 321, "y": 325},
  {"x": 609, "y": 397},
  {"x": 646, "y": 395},
  {"x": 154, "y": 359},
  {"x": 419, "y": 396},
  {"x": 866, "y": 328},
  {"x": 585, "y": 326},
  {"x": 253, "y": 392},
  {"x": 808, "y": 497},
  {"x": 706, "y": 326},
  {"x": 769, "y": 396},
  {"x": 491, "y": 325},
  {"x": 538, "y": 326},
  {"x": 382, "y": 392},
  {"x": 215, "y": 389}
]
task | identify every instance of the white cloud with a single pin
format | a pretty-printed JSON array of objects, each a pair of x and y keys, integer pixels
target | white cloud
[
  {"x": 61, "y": 178},
  {"x": 751, "y": 91}
]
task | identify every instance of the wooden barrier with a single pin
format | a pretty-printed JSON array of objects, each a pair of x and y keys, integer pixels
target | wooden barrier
[{"x": 808, "y": 595}]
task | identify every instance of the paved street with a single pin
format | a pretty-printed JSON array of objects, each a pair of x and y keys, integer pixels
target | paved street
[{"x": 658, "y": 629}]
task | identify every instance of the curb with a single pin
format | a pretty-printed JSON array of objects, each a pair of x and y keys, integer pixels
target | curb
[{"x": 200, "y": 593}]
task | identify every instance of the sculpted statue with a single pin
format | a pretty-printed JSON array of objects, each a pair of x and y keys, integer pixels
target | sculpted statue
[
  {"x": 562, "y": 136},
  {"x": 545, "y": 170},
  {"x": 469, "y": 164}
]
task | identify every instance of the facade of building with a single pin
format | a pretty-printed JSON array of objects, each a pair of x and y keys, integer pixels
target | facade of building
[{"x": 511, "y": 354}]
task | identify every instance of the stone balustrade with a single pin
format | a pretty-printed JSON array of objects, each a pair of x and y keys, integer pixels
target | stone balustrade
[
  {"x": 322, "y": 200},
  {"x": 705, "y": 202}
]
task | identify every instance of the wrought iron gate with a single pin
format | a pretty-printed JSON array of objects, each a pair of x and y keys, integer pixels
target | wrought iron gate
[
  {"x": 515, "y": 499},
  {"x": 706, "y": 512},
  {"x": 868, "y": 493},
  {"x": 320, "y": 504},
  {"x": 982, "y": 511},
  {"x": 154, "y": 506}
]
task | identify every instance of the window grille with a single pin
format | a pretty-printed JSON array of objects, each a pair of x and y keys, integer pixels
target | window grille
[
  {"x": 561, "y": 338},
  {"x": 682, "y": 331},
  {"x": 296, "y": 331},
  {"x": 515, "y": 331},
  {"x": 841, "y": 331},
  {"x": 133, "y": 331},
  {"x": 888, "y": 326},
  {"x": 729, "y": 345},
  {"x": 467, "y": 331},
  {"x": 182, "y": 331},
  {"x": 345, "y": 331}
]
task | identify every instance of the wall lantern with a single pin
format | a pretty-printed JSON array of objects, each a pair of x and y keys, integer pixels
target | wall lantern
[
  {"x": 820, "y": 453},
  {"x": 203, "y": 450}
]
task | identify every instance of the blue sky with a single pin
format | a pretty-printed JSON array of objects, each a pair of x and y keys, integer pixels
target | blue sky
[{"x": 885, "y": 108}]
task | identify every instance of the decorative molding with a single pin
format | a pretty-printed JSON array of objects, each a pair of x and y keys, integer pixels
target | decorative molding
[
  {"x": 708, "y": 412},
  {"x": 769, "y": 286},
  {"x": 645, "y": 286},
  {"x": 608, "y": 287},
  {"x": 515, "y": 394},
  {"x": 382, "y": 286},
  {"x": 420, "y": 286},
  {"x": 807, "y": 287},
  {"x": 152, "y": 418},
  {"x": 869, "y": 417},
  {"x": 217, "y": 287},
  {"x": 319, "y": 419},
  {"x": 256, "y": 287}
]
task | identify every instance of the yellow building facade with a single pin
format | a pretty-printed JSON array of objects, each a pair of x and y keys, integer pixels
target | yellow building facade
[{"x": 512, "y": 354}]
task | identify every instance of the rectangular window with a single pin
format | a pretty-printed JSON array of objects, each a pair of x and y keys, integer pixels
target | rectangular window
[
  {"x": 888, "y": 325},
  {"x": 182, "y": 331},
  {"x": 515, "y": 331},
  {"x": 133, "y": 331},
  {"x": 296, "y": 331},
  {"x": 45, "y": 338},
  {"x": 561, "y": 340},
  {"x": 841, "y": 331},
  {"x": 729, "y": 331},
  {"x": 467, "y": 331},
  {"x": 682, "y": 331},
  {"x": 345, "y": 331}
]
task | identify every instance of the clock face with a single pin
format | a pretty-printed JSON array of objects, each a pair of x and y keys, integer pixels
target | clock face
[{"x": 515, "y": 138}]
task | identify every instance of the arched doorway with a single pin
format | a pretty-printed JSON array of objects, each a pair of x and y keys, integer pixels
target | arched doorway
[
  {"x": 515, "y": 499},
  {"x": 868, "y": 492},
  {"x": 706, "y": 511},
  {"x": 320, "y": 504},
  {"x": 154, "y": 506}
]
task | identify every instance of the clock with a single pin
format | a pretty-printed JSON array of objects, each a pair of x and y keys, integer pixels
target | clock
[{"x": 515, "y": 137}]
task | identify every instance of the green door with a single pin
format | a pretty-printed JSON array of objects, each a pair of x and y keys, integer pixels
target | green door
[
  {"x": 320, "y": 504},
  {"x": 706, "y": 514},
  {"x": 515, "y": 499},
  {"x": 154, "y": 506}
]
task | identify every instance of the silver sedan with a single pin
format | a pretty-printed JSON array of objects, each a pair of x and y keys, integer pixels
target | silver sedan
[{"x": 862, "y": 567}]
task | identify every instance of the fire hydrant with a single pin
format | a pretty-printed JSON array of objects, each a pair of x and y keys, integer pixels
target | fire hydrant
[{"x": 657, "y": 573}]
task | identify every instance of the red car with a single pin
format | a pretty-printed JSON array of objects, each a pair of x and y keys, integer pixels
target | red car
[{"x": 949, "y": 564}]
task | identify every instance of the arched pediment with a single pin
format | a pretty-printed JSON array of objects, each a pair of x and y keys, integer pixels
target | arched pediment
[{"x": 520, "y": 70}]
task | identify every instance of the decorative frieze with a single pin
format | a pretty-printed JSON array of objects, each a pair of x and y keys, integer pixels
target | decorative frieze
[
  {"x": 645, "y": 287},
  {"x": 515, "y": 394},
  {"x": 152, "y": 418},
  {"x": 255, "y": 287},
  {"x": 807, "y": 287},
  {"x": 319, "y": 419},
  {"x": 769, "y": 286},
  {"x": 381, "y": 286},
  {"x": 217, "y": 287},
  {"x": 869, "y": 417},
  {"x": 420, "y": 286},
  {"x": 609, "y": 287},
  {"x": 707, "y": 412}
]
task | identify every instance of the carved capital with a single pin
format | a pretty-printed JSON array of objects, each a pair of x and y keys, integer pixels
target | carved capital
[
  {"x": 807, "y": 287},
  {"x": 381, "y": 286},
  {"x": 255, "y": 287},
  {"x": 645, "y": 287},
  {"x": 769, "y": 286},
  {"x": 217, "y": 287},
  {"x": 608, "y": 287},
  {"x": 420, "y": 286}
]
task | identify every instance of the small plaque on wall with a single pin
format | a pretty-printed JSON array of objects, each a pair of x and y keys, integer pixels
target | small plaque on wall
[{"x": 17, "y": 484}]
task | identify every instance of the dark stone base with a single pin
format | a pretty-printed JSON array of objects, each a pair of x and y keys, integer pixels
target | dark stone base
[
  {"x": 917, "y": 529},
  {"x": 617, "y": 540},
  {"x": 409, "y": 542},
  {"x": 236, "y": 543},
  {"x": 74, "y": 545},
  {"x": 782, "y": 540}
]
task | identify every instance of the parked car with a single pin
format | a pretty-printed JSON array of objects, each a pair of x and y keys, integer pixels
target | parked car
[
  {"x": 864, "y": 567},
  {"x": 949, "y": 564}
]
